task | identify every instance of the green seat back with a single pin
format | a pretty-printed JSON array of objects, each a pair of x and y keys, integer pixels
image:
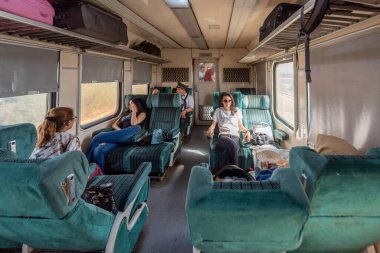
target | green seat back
[
  {"x": 33, "y": 188},
  {"x": 256, "y": 109},
  {"x": 166, "y": 109},
  {"x": 345, "y": 200},
  {"x": 24, "y": 135},
  {"x": 262, "y": 216}
]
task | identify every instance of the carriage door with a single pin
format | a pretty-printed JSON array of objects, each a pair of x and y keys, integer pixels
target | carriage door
[{"x": 205, "y": 83}]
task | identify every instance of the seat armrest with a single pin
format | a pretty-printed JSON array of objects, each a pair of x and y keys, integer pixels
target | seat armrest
[
  {"x": 307, "y": 161},
  {"x": 373, "y": 151},
  {"x": 139, "y": 136},
  {"x": 280, "y": 135},
  {"x": 106, "y": 129},
  {"x": 172, "y": 133}
]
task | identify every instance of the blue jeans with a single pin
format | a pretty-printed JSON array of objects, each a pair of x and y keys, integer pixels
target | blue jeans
[{"x": 103, "y": 143}]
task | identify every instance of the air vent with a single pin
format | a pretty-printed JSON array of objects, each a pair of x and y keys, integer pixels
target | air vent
[
  {"x": 206, "y": 54},
  {"x": 175, "y": 74},
  {"x": 236, "y": 75}
]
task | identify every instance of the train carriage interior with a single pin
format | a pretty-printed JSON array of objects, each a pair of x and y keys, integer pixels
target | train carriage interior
[{"x": 212, "y": 126}]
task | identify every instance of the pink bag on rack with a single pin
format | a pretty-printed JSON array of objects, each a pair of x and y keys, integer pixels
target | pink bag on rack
[{"x": 39, "y": 10}]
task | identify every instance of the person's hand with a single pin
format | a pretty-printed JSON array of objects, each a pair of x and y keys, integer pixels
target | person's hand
[
  {"x": 183, "y": 114},
  {"x": 210, "y": 132},
  {"x": 247, "y": 136},
  {"x": 133, "y": 108}
]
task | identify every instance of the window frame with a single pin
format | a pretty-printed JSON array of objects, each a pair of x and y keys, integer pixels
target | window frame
[
  {"x": 104, "y": 119},
  {"x": 295, "y": 97}
]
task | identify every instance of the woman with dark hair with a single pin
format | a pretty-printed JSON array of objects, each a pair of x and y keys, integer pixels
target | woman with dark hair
[
  {"x": 127, "y": 126},
  {"x": 52, "y": 136},
  {"x": 229, "y": 120}
]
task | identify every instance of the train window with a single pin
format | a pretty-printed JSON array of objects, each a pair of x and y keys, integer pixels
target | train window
[
  {"x": 99, "y": 101},
  {"x": 21, "y": 109},
  {"x": 284, "y": 99}
]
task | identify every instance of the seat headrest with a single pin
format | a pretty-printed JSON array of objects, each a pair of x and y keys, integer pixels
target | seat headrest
[
  {"x": 24, "y": 135},
  {"x": 256, "y": 102},
  {"x": 35, "y": 187},
  {"x": 166, "y": 100}
]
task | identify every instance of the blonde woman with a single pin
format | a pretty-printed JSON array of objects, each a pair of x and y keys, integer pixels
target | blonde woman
[{"x": 52, "y": 136}]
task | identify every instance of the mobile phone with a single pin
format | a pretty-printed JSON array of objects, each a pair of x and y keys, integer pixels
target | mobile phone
[
  {"x": 12, "y": 145},
  {"x": 70, "y": 184}
]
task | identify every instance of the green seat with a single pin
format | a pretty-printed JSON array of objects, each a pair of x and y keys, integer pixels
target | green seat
[
  {"x": 245, "y": 153},
  {"x": 345, "y": 201},
  {"x": 259, "y": 216},
  {"x": 165, "y": 115},
  {"x": 256, "y": 110},
  {"x": 39, "y": 215},
  {"x": 24, "y": 137},
  {"x": 162, "y": 89}
]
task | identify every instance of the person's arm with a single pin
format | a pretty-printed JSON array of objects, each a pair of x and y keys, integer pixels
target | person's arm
[
  {"x": 189, "y": 108},
  {"x": 116, "y": 124},
  {"x": 210, "y": 130},
  {"x": 247, "y": 134}
]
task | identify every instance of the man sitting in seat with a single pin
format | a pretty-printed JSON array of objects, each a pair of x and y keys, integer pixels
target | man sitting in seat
[{"x": 187, "y": 105}]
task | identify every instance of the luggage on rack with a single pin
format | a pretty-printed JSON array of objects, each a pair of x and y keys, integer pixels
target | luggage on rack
[
  {"x": 87, "y": 19},
  {"x": 148, "y": 48},
  {"x": 278, "y": 15},
  {"x": 39, "y": 10}
]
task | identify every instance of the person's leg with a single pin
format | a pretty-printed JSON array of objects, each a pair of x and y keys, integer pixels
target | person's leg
[
  {"x": 182, "y": 125},
  {"x": 230, "y": 148},
  {"x": 99, "y": 156},
  {"x": 118, "y": 136}
]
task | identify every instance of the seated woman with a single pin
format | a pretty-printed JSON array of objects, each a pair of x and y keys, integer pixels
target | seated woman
[
  {"x": 126, "y": 127},
  {"x": 229, "y": 120},
  {"x": 52, "y": 136}
]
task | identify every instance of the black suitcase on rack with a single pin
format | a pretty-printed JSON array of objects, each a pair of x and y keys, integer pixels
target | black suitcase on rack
[
  {"x": 148, "y": 48},
  {"x": 87, "y": 19},
  {"x": 278, "y": 15}
]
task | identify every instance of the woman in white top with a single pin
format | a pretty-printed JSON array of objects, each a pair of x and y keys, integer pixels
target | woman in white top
[
  {"x": 53, "y": 139},
  {"x": 229, "y": 120}
]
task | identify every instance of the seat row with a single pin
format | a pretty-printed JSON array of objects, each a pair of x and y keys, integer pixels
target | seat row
[
  {"x": 255, "y": 110},
  {"x": 336, "y": 210},
  {"x": 163, "y": 112},
  {"x": 42, "y": 205}
]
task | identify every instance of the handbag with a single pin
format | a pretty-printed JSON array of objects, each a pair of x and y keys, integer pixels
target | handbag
[{"x": 101, "y": 196}]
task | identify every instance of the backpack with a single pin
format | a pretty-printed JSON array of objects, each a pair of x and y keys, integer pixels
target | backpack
[{"x": 158, "y": 136}]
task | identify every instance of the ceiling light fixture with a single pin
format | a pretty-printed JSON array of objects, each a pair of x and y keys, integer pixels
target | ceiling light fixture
[
  {"x": 241, "y": 11},
  {"x": 187, "y": 18},
  {"x": 177, "y": 3}
]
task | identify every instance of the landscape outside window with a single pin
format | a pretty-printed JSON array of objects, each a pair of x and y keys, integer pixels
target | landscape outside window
[
  {"x": 98, "y": 101},
  {"x": 284, "y": 92},
  {"x": 22, "y": 109}
]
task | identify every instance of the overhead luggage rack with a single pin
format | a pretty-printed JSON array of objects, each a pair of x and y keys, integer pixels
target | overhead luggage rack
[
  {"x": 25, "y": 28},
  {"x": 341, "y": 15}
]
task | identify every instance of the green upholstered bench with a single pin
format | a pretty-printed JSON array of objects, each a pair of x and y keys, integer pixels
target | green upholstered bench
[
  {"x": 344, "y": 194},
  {"x": 262, "y": 216}
]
